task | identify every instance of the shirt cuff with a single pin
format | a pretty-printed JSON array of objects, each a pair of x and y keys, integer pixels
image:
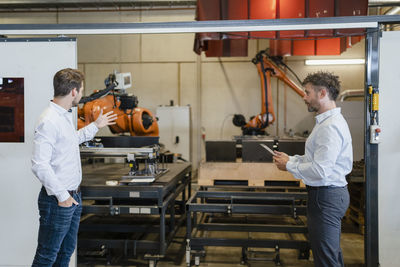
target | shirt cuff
[
  {"x": 93, "y": 127},
  {"x": 63, "y": 196},
  {"x": 290, "y": 165},
  {"x": 292, "y": 158}
]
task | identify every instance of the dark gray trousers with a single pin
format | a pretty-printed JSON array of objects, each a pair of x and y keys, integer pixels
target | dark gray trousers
[{"x": 326, "y": 207}]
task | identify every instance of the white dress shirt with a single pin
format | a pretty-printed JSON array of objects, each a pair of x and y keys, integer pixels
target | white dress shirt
[
  {"x": 328, "y": 154},
  {"x": 56, "y": 160}
]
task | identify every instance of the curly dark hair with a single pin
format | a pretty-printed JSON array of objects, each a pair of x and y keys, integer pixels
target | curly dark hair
[
  {"x": 324, "y": 79},
  {"x": 67, "y": 79}
]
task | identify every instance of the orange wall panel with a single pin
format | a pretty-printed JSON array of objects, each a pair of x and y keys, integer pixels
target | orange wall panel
[
  {"x": 227, "y": 48},
  {"x": 280, "y": 47},
  {"x": 235, "y": 10},
  {"x": 303, "y": 47},
  {"x": 320, "y": 9},
  {"x": 334, "y": 46},
  {"x": 262, "y": 9},
  {"x": 208, "y": 10},
  {"x": 291, "y": 9}
]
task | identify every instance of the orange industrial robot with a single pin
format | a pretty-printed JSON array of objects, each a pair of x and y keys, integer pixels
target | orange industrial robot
[
  {"x": 267, "y": 67},
  {"x": 131, "y": 118}
]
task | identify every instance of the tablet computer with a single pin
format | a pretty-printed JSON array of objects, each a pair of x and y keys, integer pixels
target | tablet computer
[{"x": 268, "y": 149}]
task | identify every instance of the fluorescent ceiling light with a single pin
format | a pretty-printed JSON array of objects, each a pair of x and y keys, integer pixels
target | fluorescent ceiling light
[{"x": 354, "y": 61}]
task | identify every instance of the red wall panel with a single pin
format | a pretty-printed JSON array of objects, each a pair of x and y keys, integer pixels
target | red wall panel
[
  {"x": 303, "y": 47},
  {"x": 208, "y": 10},
  {"x": 262, "y": 9},
  {"x": 351, "y": 8},
  {"x": 291, "y": 9},
  {"x": 213, "y": 48},
  {"x": 334, "y": 46},
  {"x": 235, "y": 10},
  {"x": 280, "y": 47},
  {"x": 227, "y": 48},
  {"x": 320, "y": 9}
]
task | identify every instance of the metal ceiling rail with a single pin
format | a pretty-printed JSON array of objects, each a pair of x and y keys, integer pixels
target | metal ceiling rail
[
  {"x": 199, "y": 26},
  {"x": 26, "y": 4},
  {"x": 377, "y": 3}
]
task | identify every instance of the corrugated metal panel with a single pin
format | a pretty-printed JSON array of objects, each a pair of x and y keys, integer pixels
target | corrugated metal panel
[{"x": 262, "y": 9}]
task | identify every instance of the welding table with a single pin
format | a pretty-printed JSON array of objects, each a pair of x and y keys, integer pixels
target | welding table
[{"x": 122, "y": 216}]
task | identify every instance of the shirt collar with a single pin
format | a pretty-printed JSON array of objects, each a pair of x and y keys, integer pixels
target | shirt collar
[
  {"x": 60, "y": 110},
  {"x": 323, "y": 116}
]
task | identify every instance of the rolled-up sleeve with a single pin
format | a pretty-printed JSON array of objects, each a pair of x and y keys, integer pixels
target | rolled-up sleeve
[{"x": 43, "y": 146}]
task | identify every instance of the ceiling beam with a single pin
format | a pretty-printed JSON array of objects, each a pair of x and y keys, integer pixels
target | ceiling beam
[{"x": 349, "y": 22}]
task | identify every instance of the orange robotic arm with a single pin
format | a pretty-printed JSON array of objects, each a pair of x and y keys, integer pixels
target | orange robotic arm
[
  {"x": 135, "y": 120},
  {"x": 266, "y": 69}
]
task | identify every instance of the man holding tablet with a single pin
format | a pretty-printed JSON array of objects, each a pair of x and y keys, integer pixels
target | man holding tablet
[{"x": 327, "y": 160}]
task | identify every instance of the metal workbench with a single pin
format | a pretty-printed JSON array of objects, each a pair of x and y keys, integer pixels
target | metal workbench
[
  {"x": 126, "y": 217},
  {"x": 232, "y": 202}
]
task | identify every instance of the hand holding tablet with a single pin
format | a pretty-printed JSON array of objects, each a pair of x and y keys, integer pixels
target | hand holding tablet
[{"x": 269, "y": 149}]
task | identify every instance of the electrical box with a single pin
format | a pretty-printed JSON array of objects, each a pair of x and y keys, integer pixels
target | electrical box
[{"x": 175, "y": 128}]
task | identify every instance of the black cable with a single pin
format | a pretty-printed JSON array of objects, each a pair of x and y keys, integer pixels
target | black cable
[
  {"x": 266, "y": 123},
  {"x": 97, "y": 95},
  {"x": 279, "y": 62}
]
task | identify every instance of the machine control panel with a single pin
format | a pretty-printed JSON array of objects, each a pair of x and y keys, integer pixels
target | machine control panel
[{"x": 375, "y": 132}]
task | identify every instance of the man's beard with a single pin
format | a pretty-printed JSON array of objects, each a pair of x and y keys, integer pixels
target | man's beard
[{"x": 312, "y": 108}]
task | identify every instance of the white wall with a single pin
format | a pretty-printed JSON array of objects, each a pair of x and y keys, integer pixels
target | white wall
[
  {"x": 389, "y": 151},
  {"x": 353, "y": 112},
  {"x": 36, "y": 62}
]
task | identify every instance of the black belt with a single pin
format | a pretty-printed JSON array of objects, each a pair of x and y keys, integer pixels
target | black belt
[
  {"x": 71, "y": 192},
  {"x": 309, "y": 187}
]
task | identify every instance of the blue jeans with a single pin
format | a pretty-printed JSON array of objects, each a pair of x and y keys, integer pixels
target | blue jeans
[
  {"x": 58, "y": 231},
  {"x": 325, "y": 210}
]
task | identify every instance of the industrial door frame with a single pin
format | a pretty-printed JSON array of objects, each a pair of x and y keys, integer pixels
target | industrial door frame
[
  {"x": 371, "y": 23},
  {"x": 371, "y": 239}
]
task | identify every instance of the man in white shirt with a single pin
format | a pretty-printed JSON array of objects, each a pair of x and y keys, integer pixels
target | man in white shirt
[
  {"x": 323, "y": 168},
  {"x": 56, "y": 163}
]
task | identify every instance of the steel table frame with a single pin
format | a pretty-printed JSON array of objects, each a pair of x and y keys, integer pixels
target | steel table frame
[
  {"x": 211, "y": 199},
  {"x": 161, "y": 197}
]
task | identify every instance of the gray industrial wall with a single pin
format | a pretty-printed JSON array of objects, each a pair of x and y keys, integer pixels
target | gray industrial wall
[{"x": 164, "y": 68}]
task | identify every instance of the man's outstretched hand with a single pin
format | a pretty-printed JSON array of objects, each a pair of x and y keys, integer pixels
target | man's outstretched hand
[{"x": 105, "y": 119}]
